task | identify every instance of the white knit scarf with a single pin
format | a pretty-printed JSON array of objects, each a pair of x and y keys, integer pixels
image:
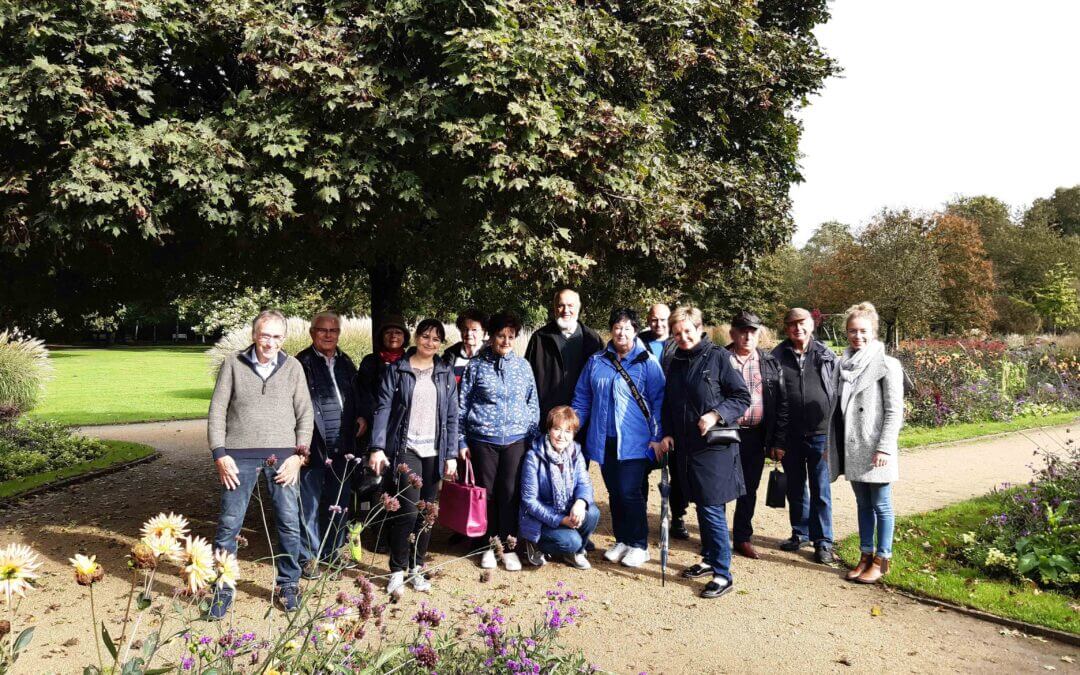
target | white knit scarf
[{"x": 852, "y": 366}]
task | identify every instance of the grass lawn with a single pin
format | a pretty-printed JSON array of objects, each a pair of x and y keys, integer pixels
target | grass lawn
[
  {"x": 922, "y": 565},
  {"x": 119, "y": 452},
  {"x": 127, "y": 384},
  {"x": 916, "y": 436}
]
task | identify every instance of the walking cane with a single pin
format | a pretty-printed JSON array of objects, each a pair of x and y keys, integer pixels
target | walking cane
[{"x": 665, "y": 494}]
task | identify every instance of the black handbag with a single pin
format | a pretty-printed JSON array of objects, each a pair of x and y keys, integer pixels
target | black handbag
[
  {"x": 776, "y": 493},
  {"x": 726, "y": 435}
]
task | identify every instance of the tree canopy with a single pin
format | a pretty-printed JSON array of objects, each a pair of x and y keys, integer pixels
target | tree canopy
[{"x": 515, "y": 144}]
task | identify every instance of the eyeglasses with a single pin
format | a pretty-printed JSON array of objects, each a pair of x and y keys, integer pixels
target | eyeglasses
[{"x": 266, "y": 337}]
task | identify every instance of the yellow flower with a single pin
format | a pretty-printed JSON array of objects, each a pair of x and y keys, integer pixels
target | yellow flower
[
  {"x": 87, "y": 571},
  {"x": 173, "y": 525},
  {"x": 228, "y": 569},
  {"x": 198, "y": 570},
  {"x": 18, "y": 565},
  {"x": 164, "y": 546}
]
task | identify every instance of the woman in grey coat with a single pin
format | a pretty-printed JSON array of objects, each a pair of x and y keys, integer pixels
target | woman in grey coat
[{"x": 863, "y": 437}]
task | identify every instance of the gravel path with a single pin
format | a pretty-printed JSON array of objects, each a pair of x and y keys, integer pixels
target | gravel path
[{"x": 788, "y": 615}]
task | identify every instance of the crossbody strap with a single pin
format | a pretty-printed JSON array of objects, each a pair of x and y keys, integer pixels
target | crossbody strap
[{"x": 633, "y": 391}]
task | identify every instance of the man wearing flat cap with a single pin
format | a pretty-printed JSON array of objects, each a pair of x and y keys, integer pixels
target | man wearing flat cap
[
  {"x": 808, "y": 367},
  {"x": 764, "y": 424}
]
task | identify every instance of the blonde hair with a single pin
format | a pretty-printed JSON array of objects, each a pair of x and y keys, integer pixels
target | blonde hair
[
  {"x": 691, "y": 314},
  {"x": 863, "y": 310}
]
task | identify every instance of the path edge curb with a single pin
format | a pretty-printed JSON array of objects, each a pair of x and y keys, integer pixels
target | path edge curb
[
  {"x": 81, "y": 478},
  {"x": 1022, "y": 626}
]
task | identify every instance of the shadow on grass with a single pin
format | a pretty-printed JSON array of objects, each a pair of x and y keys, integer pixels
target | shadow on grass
[{"x": 196, "y": 393}]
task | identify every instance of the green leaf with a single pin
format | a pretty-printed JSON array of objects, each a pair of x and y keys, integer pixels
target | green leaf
[
  {"x": 107, "y": 639},
  {"x": 23, "y": 640},
  {"x": 149, "y": 646},
  {"x": 1027, "y": 563}
]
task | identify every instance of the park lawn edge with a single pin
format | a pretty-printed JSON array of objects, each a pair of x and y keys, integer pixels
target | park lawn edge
[
  {"x": 85, "y": 419},
  {"x": 915, "y": 437},
  {"x": 119, "y": 454},
  {"x": 921, "y": 567}
]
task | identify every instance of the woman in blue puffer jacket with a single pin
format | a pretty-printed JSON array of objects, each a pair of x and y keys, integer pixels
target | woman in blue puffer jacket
[
  {"x": 558, "y": 512},
  {"x": 622, "y": 436},
  {"x": 500, "y": 415}
]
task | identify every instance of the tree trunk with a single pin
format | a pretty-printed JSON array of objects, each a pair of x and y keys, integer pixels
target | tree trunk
[{"x": 386, "y": 279}]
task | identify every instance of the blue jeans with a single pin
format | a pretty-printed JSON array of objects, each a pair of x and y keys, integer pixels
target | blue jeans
[
  {"x": 286, "y": 501},
  {"x": 565, "y": 540},
  {"x": 627, "y": 497},
  {"x": 715, "y": 540},
  {"x": 321, "y": 487},
  {"x": 874, "y": 502},
  {"x": 810, "y": 519}
]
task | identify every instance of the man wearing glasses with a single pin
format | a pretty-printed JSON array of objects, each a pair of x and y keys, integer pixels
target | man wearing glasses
[
  {"x": 260, "y": 421},
  {"x": 325, "y": 486}
]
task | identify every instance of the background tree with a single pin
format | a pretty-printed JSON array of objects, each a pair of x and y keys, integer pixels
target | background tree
[
  {"x": 967, "y": 277},
  {"x": 1060, "y": 211},
  {"x": 521, "y": 143},
  {"x": 1056, "y": 298}
]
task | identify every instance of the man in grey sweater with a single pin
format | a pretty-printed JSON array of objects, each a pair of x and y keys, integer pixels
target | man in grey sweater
[{"x": 260, "y": 421}]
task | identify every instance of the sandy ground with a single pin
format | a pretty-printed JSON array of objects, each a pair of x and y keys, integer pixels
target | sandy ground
[{"x": 788, "y": 615}]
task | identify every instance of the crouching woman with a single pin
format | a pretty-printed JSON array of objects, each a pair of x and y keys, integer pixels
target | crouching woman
[{"x": 558, "y": 512}]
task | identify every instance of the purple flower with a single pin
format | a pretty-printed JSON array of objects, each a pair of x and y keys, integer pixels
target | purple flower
[
  {"x": 329, "y": 462},
  {"x": 187, "y": 663},
  {"x": 428, "y": 616},
  {"x": 205, "y": 640},
  {"x": 350, "y": 457},
  {"x": 334, "y": 508}
]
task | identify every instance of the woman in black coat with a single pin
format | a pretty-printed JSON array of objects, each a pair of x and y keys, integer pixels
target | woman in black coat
[
  {"x": 415, "y": 428},
  {"x": 703, "y": 390}
]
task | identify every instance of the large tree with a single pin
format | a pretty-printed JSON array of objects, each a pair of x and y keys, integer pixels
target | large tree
[
  {"x": 1061, "y": 211},
  {"x": 522, "y": 143},
  {"x": 967, "y": 277}
]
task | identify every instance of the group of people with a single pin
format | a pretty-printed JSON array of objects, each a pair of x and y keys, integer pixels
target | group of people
[{"x": 529, "y": 426}]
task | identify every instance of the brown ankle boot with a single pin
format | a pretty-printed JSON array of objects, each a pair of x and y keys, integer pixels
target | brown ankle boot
[
  {"x": 864, "y": 562},
  {"x": 877, "y": 569}
]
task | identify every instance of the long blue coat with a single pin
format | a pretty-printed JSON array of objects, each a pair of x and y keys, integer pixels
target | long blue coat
[{"x": 700, "y": 380}]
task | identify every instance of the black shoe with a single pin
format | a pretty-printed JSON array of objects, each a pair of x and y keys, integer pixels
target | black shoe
[
  {"x": 696, "y": 570},
  {"x": 678, "y": 529},
  {"x": 715, "y": 590},
  {"x": 794, "y": 543},
  {"x": 311, "y": 571},
  {"x": 824, "y": 554},
  {"x": 589, "y": 546}
]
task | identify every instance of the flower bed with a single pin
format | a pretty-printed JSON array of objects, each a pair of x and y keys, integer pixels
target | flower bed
[
  {"x": 29, "y": 447},
  {"x": 960, "y": 381}
]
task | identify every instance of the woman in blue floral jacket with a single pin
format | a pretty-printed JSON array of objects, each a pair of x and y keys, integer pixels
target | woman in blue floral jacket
[{"x": 500, "y": 415}]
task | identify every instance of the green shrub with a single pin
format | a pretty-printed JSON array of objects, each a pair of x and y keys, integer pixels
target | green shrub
[
  {"x": 29, "y": 446},
  {"x": 24, "y": 369}
]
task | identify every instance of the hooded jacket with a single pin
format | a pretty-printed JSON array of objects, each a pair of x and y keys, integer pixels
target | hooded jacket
[
  {"x": 602, "y": 393},
  {"x": 498, "y": 400}
]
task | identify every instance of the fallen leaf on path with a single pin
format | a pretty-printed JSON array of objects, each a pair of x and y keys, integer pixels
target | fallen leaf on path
[
  {"x": 1068, "y": 659},
  {"x": 844, "y": 661},
  {"x": 1049, "y": 667},
  {"x": 875, "y": 610}
]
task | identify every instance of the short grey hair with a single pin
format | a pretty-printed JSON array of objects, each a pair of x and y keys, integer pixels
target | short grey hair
[
  {"x": 266, "y": 315},
  {"x": 327, "y": 314}
]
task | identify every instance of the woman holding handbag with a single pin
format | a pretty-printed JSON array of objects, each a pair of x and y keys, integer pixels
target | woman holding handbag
[
  {"x": 617, "y": 398},
  {"x": 704, "y": 399},
  {"x": 415, "y": 428},
  {"x": 863, "y": 437}
]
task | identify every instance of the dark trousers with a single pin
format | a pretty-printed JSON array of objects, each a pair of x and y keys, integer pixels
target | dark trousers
[
  {"x": 408, "y": 534},
  {"x": 498, "y": 470},
  {"x": 752, "y": 456},
  {"x": 627, "y": 486},
  {"x": 810, "y": 518},
  {"x": 322, "y": 530}
]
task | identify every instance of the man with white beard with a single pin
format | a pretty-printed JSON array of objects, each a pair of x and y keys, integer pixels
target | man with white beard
[{"x": 558, "y": 351}]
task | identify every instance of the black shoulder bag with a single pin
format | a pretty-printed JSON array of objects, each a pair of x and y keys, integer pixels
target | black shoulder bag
[{"x": 721, "y": 435}]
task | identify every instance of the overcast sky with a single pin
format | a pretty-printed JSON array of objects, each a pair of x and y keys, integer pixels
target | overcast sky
[{"x": 941, "y": 98}]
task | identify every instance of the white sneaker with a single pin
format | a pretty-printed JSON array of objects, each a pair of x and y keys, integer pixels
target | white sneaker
[
  {"x": 616, "y": 552},
  {"x": 534, "y": 556},
  {"x": 396, "y": 585},
  {"x": 487, "y": 561},
  {"x": 418, "y": 580},
  {"x": 577, "y": 560},
  {"x": 635, "y": 557},
  {"x": 512, "y": 562}
]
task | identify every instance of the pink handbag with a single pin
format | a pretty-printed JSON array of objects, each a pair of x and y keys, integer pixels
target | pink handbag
[{"x": 463, "y": 506}]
